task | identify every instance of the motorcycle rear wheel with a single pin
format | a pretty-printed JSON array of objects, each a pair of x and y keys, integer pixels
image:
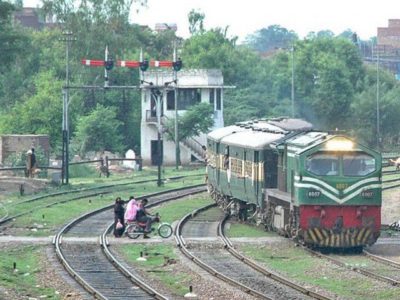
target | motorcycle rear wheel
[{"x": 133, "y": 231}]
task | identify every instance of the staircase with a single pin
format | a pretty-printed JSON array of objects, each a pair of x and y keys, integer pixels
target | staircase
[
  {"x": 195, "y": 148},
  {"x": 190, "y": 143}
]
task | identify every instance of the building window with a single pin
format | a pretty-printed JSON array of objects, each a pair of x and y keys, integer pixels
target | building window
[
  {"x": 171, "y": 100},
  {"x": 188, "y": 97},
  {"x": 212, "y": 96},
  {"x": 218, "y": 99}
]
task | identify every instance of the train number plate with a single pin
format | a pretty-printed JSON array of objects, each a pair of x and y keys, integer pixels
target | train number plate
[
  {"x": 367, "y": 194},
  {"x": 314, "y": 194},
  {"x": 341, "y": 186}
]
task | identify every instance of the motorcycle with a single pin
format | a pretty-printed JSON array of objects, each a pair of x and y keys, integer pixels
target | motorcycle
[{"x": 135, "y": 229}]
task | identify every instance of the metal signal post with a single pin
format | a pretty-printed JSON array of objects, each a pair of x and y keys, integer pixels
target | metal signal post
[
  {"x": 68, "y": 38},
  {"x": 143, "y": 65}
]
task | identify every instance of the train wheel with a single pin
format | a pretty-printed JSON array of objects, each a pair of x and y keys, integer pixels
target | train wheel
[
  {"x": 165, "y": 230},
  {"x": 132, "y": 231}
]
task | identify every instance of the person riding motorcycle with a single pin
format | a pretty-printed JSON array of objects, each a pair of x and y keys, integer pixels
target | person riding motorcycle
[{"x": 143, "y": 216}]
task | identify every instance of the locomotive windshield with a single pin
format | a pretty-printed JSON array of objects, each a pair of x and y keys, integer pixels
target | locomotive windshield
[
  {"x": 323, "y": 164},
  {"x": 347, "y": 164},
  {"x": 358, "y": 164}
]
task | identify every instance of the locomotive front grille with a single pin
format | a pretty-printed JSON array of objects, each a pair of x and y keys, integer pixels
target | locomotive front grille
[{"x": 350, "y": 237}]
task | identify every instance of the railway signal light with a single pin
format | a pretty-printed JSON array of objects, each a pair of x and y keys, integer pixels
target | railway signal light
[
  {"x": 144, "y": 65},
  {"x": 177, "y": 65},
  {"x": 109, "y": 64}
]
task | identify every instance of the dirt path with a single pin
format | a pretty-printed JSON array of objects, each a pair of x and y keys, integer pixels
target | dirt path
[{"x": 391, "y": 206}]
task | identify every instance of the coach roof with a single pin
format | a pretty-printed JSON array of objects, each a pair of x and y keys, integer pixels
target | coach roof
[
  {"x": 219, "y": 133},
  {"x": 253, "y": 139}
]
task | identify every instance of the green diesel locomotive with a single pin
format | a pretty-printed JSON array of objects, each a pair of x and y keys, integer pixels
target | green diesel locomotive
[{"x": 322, "y": 188}]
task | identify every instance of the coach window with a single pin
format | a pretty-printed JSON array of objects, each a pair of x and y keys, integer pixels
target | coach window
[
  {"x": 323, "y": 164},
  {"x": 358, "y": 164}
]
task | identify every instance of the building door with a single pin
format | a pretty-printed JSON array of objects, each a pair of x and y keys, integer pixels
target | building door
[{"x": 154, "y": 152}]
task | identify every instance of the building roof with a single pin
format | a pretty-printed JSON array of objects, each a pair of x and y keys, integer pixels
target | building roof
[{"x": 186, "y": 78}]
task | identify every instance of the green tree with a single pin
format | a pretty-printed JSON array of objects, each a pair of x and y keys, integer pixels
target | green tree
[
  {"x": 196, "y": 20},
  {"x": 270, "y": 38},
  {"x": 364, "y": 110},
  {"x": 196, "y": 120},
  {"x": 215, "y": 50},
  {"x": 39, "y": 114},
  {"x": 325, "y": 34},
  {"x": 329, "y": 72},
  {"x": 99, "y": 131},
  {"x": 12, "y": 40}
]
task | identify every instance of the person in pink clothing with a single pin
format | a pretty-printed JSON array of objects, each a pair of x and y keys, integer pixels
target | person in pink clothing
[{"x": 131, "y": 210}]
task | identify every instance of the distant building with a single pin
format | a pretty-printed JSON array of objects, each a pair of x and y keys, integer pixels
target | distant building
[
  {"x": 194, "y": 86},
  {"x": 165, "y": 26},
  {"x": 388, "y": 46},
  {"x": 30, "y": 17},
  {"x": 390, "y": 36}
]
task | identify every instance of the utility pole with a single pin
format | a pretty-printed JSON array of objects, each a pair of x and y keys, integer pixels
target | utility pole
[
  {"x": 68, "y": 38},
  {"x": 292, "y": 94},
  {"x": 158, "y": 97},
  {"x": 378, "y": 133},
  {"x": 177, "y": 149}
]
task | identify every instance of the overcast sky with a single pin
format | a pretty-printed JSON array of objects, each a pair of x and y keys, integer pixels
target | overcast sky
[{"x": 245, "y": 17}]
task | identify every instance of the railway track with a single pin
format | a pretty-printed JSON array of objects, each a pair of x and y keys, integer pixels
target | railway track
[
  {"x": 93, "y": 266},
  {"x": 382, "y": 260},
  {"x": 380, "y": 270},
  {"x": 229, "y": 247},
  {"x": 86, "y": 193},
  {"x": 250, "y": 278}
]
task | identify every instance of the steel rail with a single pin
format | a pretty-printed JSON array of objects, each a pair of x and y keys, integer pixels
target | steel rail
[
  {"x": 352, "y": 268},
  {"x": 381, "y": 259},
  {"x": 229, "y": 247},
  {"x": 182, "y": 246},
  {"x": 57, "y": 241}
]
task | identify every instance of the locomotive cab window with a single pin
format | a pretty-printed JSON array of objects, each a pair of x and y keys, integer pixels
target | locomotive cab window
[
  {"x": 358, "y": 164},
  {"x": 323, "y": 164}
]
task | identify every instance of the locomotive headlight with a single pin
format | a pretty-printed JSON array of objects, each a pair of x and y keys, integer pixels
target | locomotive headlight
[{"x": 339, "y": 145}]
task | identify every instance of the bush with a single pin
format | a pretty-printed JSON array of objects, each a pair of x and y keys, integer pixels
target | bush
[{"x": 82, "y": 171}]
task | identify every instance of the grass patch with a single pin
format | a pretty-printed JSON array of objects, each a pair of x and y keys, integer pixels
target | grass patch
[
  {"x": 157, "y": 265},
  {"x": 300, "y": 266},
  {"x": 174, "y": 211},
  {"x": 244, "y": 230},
  {"x": 24, "y": 279},
  {"x": 82, "y": 171}
]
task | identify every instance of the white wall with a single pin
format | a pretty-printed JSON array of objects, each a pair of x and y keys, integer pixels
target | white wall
[{"x": 202, "y": 79}]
